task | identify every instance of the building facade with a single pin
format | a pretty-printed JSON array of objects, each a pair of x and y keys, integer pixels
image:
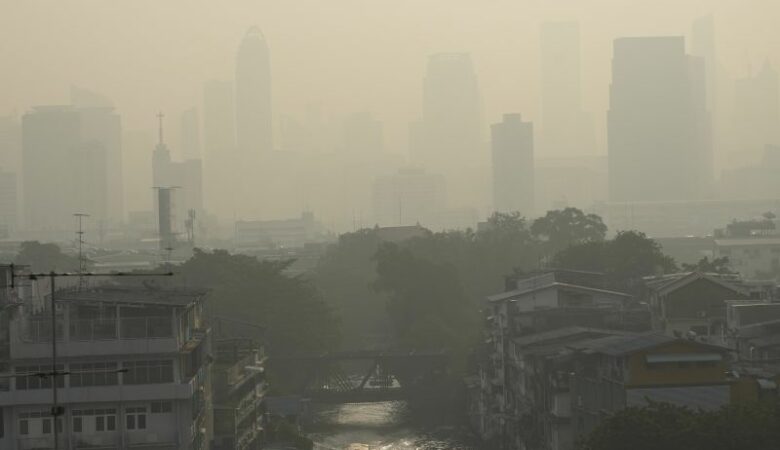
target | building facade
[
  {"x": 512, "y": 144},
  {"x": 133, "y": 371}
]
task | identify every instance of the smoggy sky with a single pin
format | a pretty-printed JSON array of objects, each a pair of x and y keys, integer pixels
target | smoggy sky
[{"x": 347, "y": 55}]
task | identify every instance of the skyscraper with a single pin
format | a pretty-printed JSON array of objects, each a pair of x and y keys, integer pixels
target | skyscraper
[
  {"x": 512, "y": 142},
  {"x": 254, "y": 134},
  {"x": 219, "y": 149},
  {"x": 65, "y": 166},
  {"x": 449, "y": 139},
  {"x": 756, "y": 114},
  {"x": 190, "y": 134},
  {"x": 658, "y": 126},
  {"x": 566, "y": 129},
  {"x": 101, "y": 131}
]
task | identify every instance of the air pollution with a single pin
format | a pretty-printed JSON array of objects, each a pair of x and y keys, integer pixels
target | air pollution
[{"x": 352, "y": 224}]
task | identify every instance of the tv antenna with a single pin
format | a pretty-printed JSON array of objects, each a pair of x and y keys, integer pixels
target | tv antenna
[{"x": 80, "y": 242}]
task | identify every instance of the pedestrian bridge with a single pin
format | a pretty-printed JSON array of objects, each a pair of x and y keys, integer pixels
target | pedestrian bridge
[{"x": 364, "y": 376}]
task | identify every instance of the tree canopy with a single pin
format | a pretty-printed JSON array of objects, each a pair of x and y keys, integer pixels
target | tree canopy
[
  {"x": 662, "y": 426},
  {"x": 293, "y": 313},
  {"x": 565, "y": 227},
  {"x": 45, "y": 257}
]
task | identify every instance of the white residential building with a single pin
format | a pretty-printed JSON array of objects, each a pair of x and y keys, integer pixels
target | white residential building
[{"x": 135, "y": 371}]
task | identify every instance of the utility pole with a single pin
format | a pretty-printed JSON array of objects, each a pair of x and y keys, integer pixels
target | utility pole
[{"x": 56, "y": 409}]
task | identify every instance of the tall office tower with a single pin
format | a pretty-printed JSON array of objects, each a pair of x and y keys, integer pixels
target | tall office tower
[
  {"x": 219, "y": 138},
  {"x": 513, "y": 165},
  {"x": 137, "y": 176},
  {"x": 9, "y": 203},
  {"x": 408, "y": 197},
  {"x": 362, "y": 134},
  {"x": 566, "y": 129},
  {"x": 254, "y": 135},
  {"x": 11, "y": 143},
  {"x": 658, "y": 126},
  {"x": 190, "y": 134},
  {"x": 703, "y": 46},
  {"x": 451, "y": 138},
  {"x": 50, "y": 137},
  {"x": 756, "y": 114},
  {"x": 101, "y": 130}
]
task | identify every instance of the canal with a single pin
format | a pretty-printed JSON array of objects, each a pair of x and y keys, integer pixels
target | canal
[{"x": 385, "y": 426}]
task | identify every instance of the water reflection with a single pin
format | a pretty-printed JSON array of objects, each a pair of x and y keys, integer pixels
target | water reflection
[{"x": 381, "y": 426}]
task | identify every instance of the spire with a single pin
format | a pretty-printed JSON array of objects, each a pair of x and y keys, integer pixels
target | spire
[{"x": 160, "y": 116}]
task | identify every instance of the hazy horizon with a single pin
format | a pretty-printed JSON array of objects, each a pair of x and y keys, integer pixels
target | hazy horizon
[{"x": 151, "y": 56}]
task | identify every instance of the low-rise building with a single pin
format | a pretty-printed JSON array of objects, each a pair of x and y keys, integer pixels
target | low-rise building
[
  {"x": 615, "y": 372},
  {"x": 239, "y": 386},
  {"x": 693, "y": 303},
  {"x": 132, "y": 371}
]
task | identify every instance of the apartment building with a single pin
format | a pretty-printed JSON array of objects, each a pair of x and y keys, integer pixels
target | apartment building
[
  {"x": 240, "y": 387},
  {"x": 133, "y": 370}
]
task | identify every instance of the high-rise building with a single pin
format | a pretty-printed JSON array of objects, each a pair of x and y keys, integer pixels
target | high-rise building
[
  {"x": 219, "y": 138},
  {"x": 513, "y": 165},
  {"x": 449, "y": 140},
  {"x": 9, "y": 201},
  {"x": 101, "y": 130},
  {"x": 254, "y": 135},
  {"x": 757, "y": 114},
  {"x": 566, "y": 129},
  {"x": 190, "y": 134},
  {"x": 11, "y": 143},
  {"x": 50, "y": 136},
  {"x": 137, "y": 176},
  {"x": 362, "y": 134},
  {"x": 658, "y": 126},
  {"x": 184, "y": 177}
]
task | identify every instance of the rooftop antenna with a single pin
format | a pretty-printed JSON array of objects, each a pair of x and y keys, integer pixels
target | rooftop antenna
[
  {"x": 80, "y": 242},
  {"x": 160, "y": 116}
]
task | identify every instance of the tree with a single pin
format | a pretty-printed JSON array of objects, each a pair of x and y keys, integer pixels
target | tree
[
  {"x": 45, "y": 257},
  {"x": 290, "y": 309},
  {"x": 624, "y": 259},
  {"x": 344, "y": 275},
  {"x": 565, "y": 227},
  {"x": 662, "y": 426},
  {"x": 426, "y": 302}
]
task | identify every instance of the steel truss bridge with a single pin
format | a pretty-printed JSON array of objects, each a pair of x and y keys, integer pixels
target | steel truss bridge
[{"x": 362, "y": 376}]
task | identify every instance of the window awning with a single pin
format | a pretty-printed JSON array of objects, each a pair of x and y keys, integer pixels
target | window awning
[{"x": 683, "y": 357}]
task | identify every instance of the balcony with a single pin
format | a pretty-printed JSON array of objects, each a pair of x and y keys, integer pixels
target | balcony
[
  {"x": 38, "y": 443},
  {"x": 116, "y": 393}
]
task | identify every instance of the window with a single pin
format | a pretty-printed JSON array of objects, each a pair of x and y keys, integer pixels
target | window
[
  {"x": 35, "y": 423},
  {"x": 161, "y": 407},
  {"x": 135, "y": 418},
  {"x": 94, "y": 420},
  {"x": 36, "y": 377},
  {"x": 93, "y": 374},
  {"x": 148, "y": 372}
]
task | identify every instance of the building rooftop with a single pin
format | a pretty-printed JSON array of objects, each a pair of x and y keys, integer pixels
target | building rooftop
[
  {"x": 142, "y": 295},
  {"x": 563, "y": 286},
  {"x": 669, "y": 283},
  {"x": 623, "y": 344}
]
